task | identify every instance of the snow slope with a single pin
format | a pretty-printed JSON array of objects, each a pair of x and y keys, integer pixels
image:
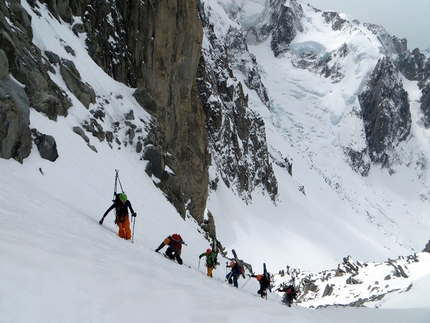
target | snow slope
[{"x": 59, "y": 264}]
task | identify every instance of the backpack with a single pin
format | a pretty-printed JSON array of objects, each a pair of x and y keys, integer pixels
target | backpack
[
  {"x": 211, "y": 259},
  {"x": 240, "y": 268},
  {"x": 215, "y": 250},
  {"x": 177, "y": 237},
  {"x": 216, "y": 259}
]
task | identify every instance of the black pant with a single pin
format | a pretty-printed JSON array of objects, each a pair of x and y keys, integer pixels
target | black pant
[{"x": 172, "y": 254}]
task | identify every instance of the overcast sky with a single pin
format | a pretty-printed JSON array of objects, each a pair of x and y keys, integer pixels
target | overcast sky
[{"x": 404, "y": 19}]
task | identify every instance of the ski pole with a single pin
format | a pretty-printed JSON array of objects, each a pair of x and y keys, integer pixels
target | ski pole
[
  {"x": 246, "y": 281},
  {"x": 228, "y": 276},
  {"x": 132, "y": 234}
]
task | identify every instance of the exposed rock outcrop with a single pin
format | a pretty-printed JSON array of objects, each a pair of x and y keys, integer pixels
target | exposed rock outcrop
[
  {"x": 15, "y": 139},
  {"x": 236, "y": 134},
  {"x": 361, "y": 284},
  {"x": 154, "y": 46},
  {"x": 385, "y": 112},
  {"x": 46, "y": 145},
  {"x": 427, "y": 247},
  {"x": 171, "y": 52},
  {"x": 282, "y": 20},
  {"x": 30, "y": 86}
]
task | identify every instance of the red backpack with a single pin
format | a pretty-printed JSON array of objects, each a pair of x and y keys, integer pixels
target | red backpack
[{"x": 177, "y": 237}]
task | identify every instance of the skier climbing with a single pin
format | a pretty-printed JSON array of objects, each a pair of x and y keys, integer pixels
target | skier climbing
[
  {"x": 237, "y": 269},
  {"x": 264, "y": 281},
  {"x": 290, "y": 293},
  {"x": 210, "y": 260},
  {"x": 211, "y": 257},
  {"x": 121, "y": 206},
  {"x": 175, "y": 243},
  {"x": 234, "y": 274}
]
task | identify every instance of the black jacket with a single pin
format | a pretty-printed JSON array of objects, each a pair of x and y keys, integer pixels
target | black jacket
[
  {"x": 121, "y": 208},
  {"x": 264, "y": 282}
]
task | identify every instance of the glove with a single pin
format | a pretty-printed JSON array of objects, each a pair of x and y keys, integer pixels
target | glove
[
  {"x": 101, "y": 222},
  {"x": 134, "y": 214},
  {"x": 200, "y": 257},
  {"x": 116, "y": 221},
  {"x": 243, "y": 275}
]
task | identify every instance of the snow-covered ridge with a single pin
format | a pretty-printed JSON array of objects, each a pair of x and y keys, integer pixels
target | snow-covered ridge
[{"x": 355, "y": 283}]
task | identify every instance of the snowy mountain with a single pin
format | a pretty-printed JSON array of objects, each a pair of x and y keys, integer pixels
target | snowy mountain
[
  {"x": 298, "y": 137},
  {"x": 322, "y": 91}
]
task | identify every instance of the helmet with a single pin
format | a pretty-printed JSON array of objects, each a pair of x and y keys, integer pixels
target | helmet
[
  {"x": 259, "y": 277},
  {"x": 123, "y": 197},
  {"x": 232, "y": 264},
  {"x": 208, "y": 251}
]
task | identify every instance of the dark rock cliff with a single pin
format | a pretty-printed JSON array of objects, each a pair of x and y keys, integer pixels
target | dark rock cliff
[
  {"x": 154, "y": 46},
  {"x": 385, "y": 112},
  {"x": 236, "y": 134},
  {"x": 21, "y": 60},
  {"x": 416, "y": 67}
]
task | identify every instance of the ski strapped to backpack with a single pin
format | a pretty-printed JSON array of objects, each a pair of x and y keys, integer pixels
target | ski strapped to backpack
[
  {"x": 239, "y": 262},
  {"x": 116, "y": 197},
  {"x": 117, "y": 180},
  {"x": 215, "y": 249},
  {"x": 266, "y": 275}
]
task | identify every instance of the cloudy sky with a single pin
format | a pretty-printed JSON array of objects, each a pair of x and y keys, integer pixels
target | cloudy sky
[{"x": 404, "y": 19}]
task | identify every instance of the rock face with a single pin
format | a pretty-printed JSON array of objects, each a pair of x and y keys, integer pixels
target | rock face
[
  {"x": 46, "y": 145},
  {"x": 282, "y": 20},
  {"x": 385, "y": 112},
  {"x": 236, "y": 134},
  {"x": 415, "y": 67},
  {"x": 15, "y": 137},
  {"x": 17, "y": 58},
  {"x": 172, "y": 49},
  {"x": 427, "y": 247},
  {"x": 156, "y": 48}
]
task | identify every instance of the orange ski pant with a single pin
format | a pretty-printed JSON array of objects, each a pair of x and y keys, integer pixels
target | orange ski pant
[
  {"x": 210, "y": 268},
  {"x": 124, "y": 229}
]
